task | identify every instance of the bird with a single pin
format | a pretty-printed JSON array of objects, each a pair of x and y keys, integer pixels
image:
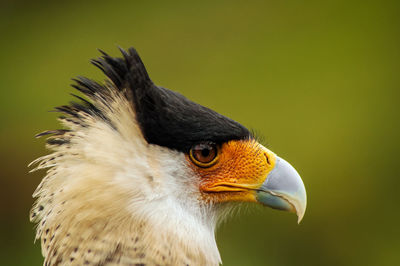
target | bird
[{"x": 141, "y": 175}]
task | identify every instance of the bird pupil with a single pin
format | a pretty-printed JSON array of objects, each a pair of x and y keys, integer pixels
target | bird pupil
[{"x": 205, "y": 152}]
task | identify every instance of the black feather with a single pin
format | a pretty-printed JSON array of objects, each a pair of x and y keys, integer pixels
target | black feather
[
  {"x": 165, "y": 117},
  {"x": 57, "y": 142},
  {"x": 57, "y": 132}
]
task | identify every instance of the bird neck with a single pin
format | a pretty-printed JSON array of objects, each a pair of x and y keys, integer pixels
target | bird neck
[{"x": 85, "y": 225}]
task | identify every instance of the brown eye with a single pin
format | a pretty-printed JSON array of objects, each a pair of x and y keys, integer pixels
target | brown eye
[{"x": 204, "y": 154}]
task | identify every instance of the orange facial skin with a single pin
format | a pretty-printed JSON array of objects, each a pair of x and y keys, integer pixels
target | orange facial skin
[{"x": 240, "y": 168}]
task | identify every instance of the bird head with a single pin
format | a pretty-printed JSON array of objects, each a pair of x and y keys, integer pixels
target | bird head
[{"x": 138, "y": 166}]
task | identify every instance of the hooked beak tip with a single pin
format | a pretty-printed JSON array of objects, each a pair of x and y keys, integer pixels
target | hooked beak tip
[{"x": 283, "y": 189}]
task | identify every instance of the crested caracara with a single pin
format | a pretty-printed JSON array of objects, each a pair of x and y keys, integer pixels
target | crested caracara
[{"x": 140, "y": 175}]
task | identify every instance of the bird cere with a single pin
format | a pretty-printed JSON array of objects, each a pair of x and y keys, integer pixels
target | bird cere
[{"x": 140, "y": 175}]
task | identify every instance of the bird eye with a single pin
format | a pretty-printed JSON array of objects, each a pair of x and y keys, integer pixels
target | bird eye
[{"x": 204, "y": 154}]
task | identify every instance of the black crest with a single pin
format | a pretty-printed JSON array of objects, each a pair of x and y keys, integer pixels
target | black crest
[{"x": 166, "y": 118}]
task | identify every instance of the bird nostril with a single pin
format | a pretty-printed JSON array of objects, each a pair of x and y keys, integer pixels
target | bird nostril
[{"x": 266, "y": 157}]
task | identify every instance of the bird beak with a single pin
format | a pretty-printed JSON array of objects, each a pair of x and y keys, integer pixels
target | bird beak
[{"x": 283, "y": 189}]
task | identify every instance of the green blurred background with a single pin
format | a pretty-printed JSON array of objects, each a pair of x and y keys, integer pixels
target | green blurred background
[{"x": 318, "y": 79}]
